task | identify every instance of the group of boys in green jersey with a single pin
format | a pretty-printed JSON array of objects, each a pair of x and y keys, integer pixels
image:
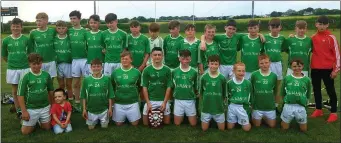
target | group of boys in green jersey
[{"x": 120, "y": 70}]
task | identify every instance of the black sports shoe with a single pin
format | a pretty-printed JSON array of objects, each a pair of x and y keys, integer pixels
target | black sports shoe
[
  {"x": 311, "y": 105},
  {"x": 19, "y": 113}
]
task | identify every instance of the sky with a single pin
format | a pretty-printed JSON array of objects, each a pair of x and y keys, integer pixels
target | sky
[{"x": 59, "y": 10}]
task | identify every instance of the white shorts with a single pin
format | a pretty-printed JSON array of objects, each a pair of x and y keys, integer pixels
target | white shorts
[
  {"x": 92, "y": 118},
  {"x": 236, "y": 113},
  {"x": 289, "y": 72},
  {"x": 41, "y": 114},
  {"x": 51, "y": 68},
  {"x": 155, "y": 105},
  {"x": 276, "y": 67},
  {"x": 79, "y": 67},
  {"x": 14, "y": 76},
  {"x": 206, "y": 117},
  {"x": 64, "y": 70},
  {"x": 291, "y": 111},
  {"x": 130, "y": 111},
  {"x": 248, "y": 75},
  {"x": 258, "y": 114},
  {"x": 182, "y": 107},
  {"x": 110, "y": 67},
  {"x": 227, "y": 71}
]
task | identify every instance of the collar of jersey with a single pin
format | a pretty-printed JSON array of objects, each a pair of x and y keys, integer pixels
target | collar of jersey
[
  {"x": 248, "y": 36},
  {"x": 113, "y": 32},
  {"x": 260, "y": 71},
  {"x": 77, "y": 29},
  {"x": 301, "y": 38},
  {"x": 209, "y": 73},
  {"x": 195, "y": 40},
  {"x": 228, "y": 36},
  {"x": 236, "y": 82},
  {"x": 189, "y": 68},
  {"x": 209, "y": 43},
  {"x": 61, "y": 38},
  {"x": 170, "y": 35},
  {"x": 136, "y": 36},
  {"x": 150, "y": 38},
  {"x": 96, "y": 77},
  {"x": 16, "y": 38},
  {"x": 296, "y": 77},
  {"x": 127, "y": 69},
  {"x": 273, "y": 36},
  {"x": 94, "y": 32},
  {"x": 36, "y": 74},
  {"x": 47, "y": 28},
  {"x": 157, "y": 68}
]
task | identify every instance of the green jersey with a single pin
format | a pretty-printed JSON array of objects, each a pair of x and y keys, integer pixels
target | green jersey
[
  {"x": 194, "y": 49},
  {"x": 213, "y": 92},
  {"x": 34, "y": 88},
  {"x": 42, "y": 43},
  {"x": 126, "y": 84},
  {"x": 157, "y": 42},
  {"x": 273, "y": 47},
  {"x": 228, "y": 48},
  {"x": 250, "y": 49},
  {"x": 138, "y": 46},
  {"x": 300, "y": 48},
  {"x": 156, "y": 80},
  {"x": 16, "y": 51},
  {"x": 171, "y": 47},
  {"x": 63, "y": 49},
  {"x": 264, "y": 87},
  {"x": 239, "y": 92},
  {"x": 78, "y": 45},
  {"x": 97, "y": 92},
  {"x": 114, "y": 42},
  {"x": 184, "y": 83},
  {"x": 296, "y": 90},
  {"x": 94, "y": 45},
  {"x": 211, "y": 49}
]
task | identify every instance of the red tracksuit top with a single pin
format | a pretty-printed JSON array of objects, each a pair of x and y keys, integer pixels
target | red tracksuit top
[{"x": 326, "y": 54}]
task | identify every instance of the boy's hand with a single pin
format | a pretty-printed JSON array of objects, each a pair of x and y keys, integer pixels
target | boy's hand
[
  {"x": 85, "y": 115},
  {"x": 201, "y": 72},
  {"x": 262, "y": 38},
  {"x": 291, "y": 35},
  {"x": 110, "y": 112},
  {"x": 141, "y": 68},
  {"x": 25, "y": 116},
  {"x": 333, "y": 75},
  {"x": 64, "y": 125},
  {"x": 163, "y": 106},
  {"x": 149, "y": 107},
  {"x": 103, "y": 51},
  {"x": 202, "y": 46}
]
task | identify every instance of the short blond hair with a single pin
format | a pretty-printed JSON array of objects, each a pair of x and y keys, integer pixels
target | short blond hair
[
  {"x": 61, "y": 23},
  {"x": 42, "y": 15},
  {"x": 238, "y": 64},
  {"x": 301, "y": 24},
  {"x": 209, "y": 26}
]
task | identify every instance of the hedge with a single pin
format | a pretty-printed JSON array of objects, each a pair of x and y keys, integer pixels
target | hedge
[{"x": 288, "y": 23}]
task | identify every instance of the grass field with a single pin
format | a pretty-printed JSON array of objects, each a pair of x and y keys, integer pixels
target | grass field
[{"x": 318, "y": 130}]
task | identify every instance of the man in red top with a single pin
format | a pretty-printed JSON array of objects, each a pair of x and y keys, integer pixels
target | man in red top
[{"x": 325, "y": 65}]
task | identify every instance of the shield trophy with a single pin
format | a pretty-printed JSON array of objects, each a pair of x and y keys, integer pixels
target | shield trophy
[{"x": 155, "y": 118}]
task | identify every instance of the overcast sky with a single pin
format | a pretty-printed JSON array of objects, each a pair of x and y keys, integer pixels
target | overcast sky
[{"x": 60, "y": 9}]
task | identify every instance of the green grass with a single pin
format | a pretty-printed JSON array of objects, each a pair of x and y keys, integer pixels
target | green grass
[{"x": 318, "y": 130}]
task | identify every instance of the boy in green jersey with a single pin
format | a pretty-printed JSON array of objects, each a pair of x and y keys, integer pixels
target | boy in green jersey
[
  {"x": 211, "y": 48},
  {"x": 155, "y": 40},
  {"x": 35, "y": 96},
  {"x": 185, "y": 89},
  {"x": 171, "y": 44},
  {"x": 250, "y": 46},
  {"x": 126, "y": 84},
  {"x": 239, "y": 92},
  {"x": 97, "y": 94},
  {"x": 299, "y": 46},
  {"x": 212, "y": 94},
  {"x": 41, "y": 40},
  {"x": 191, "y": 43},
  {"x": 296, "y": 90},
  {"x": 156, "y": 85},
  {"x": 264, "y": 91},
  {"x": 14, "y": 51},
  {"x": 138, "y": 45},
  {"x": 64, "y": 59},
  {"x": 115, "y": 40},
  {"x": 78, "y": 52},
  {"x": 94, "y": 42}
]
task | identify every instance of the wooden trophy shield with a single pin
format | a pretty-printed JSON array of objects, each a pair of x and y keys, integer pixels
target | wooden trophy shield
[{"x": 155, "y": 118}]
